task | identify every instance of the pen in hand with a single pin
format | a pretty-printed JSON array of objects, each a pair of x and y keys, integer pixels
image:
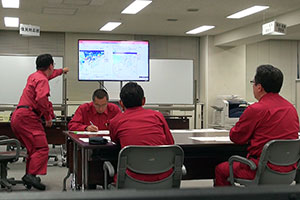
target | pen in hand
[{"x": 92, "y": 127}]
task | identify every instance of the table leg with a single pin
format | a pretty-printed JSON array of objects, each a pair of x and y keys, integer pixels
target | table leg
[{"x": 75, "y": 163}]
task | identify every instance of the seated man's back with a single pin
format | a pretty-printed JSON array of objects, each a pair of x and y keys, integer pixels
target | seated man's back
[{"x": 139, "y": 126}]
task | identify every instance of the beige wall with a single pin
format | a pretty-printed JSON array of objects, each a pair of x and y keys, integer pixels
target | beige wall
[
  {"x": 11, "y": 42},
  {"x": 281, "y": 54},
  {"x": 224, "y": 70}
]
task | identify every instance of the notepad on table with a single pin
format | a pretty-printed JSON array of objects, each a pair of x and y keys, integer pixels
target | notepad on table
[
  {"x": 103, "y": 132},
  {"x": 212, "y": 139}
]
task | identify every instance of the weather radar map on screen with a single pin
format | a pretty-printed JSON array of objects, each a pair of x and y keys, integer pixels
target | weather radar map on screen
[{"x": 113, "y": 60}]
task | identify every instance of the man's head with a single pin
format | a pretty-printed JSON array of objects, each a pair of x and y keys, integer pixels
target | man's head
[
  {"x": 44, "y": 62},
  {"x": 132, "y": 95},
  {"x": 100, "y": 100},
  {"x": 267, "y": 79}
]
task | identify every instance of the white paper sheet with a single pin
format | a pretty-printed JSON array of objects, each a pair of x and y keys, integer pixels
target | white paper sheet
[
  {"x": 212, "y": 139},
  {"x": 84, "y": 139},
  {"x": 87, "y": 139},
  {"x": 209, "y": 130},
  {"x": 103, "y": 132}
]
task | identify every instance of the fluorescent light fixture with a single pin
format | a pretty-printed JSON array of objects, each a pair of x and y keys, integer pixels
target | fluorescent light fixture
[
  {"x": 11, "y": 21},
  {"x": 109, "y": 26},
  {"x": 10, "y": 3},
  {"x": 136, "y": 6},
  {"x": 200, "y": 29},
  {"x": 247, "y": 12}
]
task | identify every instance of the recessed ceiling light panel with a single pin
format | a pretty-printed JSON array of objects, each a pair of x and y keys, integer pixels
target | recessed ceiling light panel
[
  {"x": 200, "y": 29},
  {"x": 136, "y": 6},
  {"x": 249, "y": 11},
  {"x": 110, "y": 26},
  {"x": 10, "y": 3},
  {"x": 11, "y": 21}
]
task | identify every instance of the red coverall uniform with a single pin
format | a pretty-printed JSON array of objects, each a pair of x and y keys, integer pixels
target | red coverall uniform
[
  {"x": 87, "y": 113},
  {"x": 26, "y": 122},
  {"x": 271, "y": 118},
  {"x": 139, "y": 126}
]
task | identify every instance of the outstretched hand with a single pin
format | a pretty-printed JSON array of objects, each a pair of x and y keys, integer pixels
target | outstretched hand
[{"x": 65, "y": 70}]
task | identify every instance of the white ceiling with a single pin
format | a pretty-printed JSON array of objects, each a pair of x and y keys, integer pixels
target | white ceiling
[{"x": 89, "y": 15}]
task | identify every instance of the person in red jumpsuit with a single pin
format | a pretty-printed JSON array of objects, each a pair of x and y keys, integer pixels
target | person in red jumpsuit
[
  {"x": 26, "y": 120},
  {"x": 139, "y": 126},
  {"x": 272, "y": 117},
  {"x": 95, "y": 115}
]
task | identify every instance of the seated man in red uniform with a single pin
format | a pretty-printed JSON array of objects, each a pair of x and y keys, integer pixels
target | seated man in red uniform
[
  {"x": 272, "y": 117},
  {"x": 139, "y": 126},
  {"x": 95, "y": 115},
  {"x": 26, "y": 119}
]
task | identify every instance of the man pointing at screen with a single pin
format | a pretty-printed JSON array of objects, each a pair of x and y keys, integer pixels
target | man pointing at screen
[
  {"x": 95, "y": 115},
  {"x": 26, "y": 120}
]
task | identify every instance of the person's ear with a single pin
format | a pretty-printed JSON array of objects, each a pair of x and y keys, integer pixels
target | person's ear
[
  {"x": 259, "y": 87},
  {"x": 122, "y": 105},
  {"x": 143, "y": 101}
]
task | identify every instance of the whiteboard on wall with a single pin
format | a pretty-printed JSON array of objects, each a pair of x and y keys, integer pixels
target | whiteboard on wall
[
  {"x": 171, "y": 82},
  {"x": 13, "y": 77}
]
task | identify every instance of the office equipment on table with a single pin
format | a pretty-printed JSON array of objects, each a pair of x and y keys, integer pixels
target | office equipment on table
[
  {"x": 227, "y": 110},
  {"x": 277, "y": 152},
  {"x": 5, "y": 158},
  {"x": 149, "y": 160}
]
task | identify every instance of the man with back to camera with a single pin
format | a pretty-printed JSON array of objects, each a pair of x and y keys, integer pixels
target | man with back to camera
[
  {"x": 95, "y": 115},
  {"x": 272, "y": 117},
  {"x": 26, "y": 119},
  {"x": 139, "y": 126}
]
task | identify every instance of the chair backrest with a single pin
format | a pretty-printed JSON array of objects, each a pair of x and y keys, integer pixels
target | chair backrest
[
  {"x": 150, "y": 160},
  {"x": 280, "y": 153}
]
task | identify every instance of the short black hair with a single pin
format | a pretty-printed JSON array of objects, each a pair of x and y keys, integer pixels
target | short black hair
[
  {"x": 132, "y": 95},
  {"x": 100, "y": 94},
  {"x": 270, "y": 78},
  {"x": 43, "y": 62}
]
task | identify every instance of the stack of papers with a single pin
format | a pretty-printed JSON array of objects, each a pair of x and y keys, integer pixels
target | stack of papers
[
  {"x": 105, "y": 132},
  {"x": 212, "y": 139},
  {"x": 208, "y": 130}
]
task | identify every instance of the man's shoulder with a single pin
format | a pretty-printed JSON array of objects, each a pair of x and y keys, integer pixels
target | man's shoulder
[
  {"x": 37, "y": 76},
  {"x": 113, "y": 107},
  {"x": 153, "y": 113},
  {"x": 85, "y": 106}
]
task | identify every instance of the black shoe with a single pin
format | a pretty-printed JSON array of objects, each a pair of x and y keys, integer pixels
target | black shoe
[
  {"x": 31, "y": 180},
  {"x": 38, "y": 178}
]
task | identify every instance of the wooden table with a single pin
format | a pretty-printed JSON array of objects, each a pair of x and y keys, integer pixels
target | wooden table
[
  {"x": 54, "y": 134},
  {"x": 200, "y": 158}
]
